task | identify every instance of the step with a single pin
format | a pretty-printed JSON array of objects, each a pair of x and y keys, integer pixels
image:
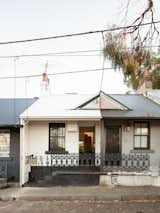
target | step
[
  {"x": 69, "y": 180},
  {"x": 70, "y": 172}
]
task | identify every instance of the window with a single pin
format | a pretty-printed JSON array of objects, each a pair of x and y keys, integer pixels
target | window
[
  {"x": 4, "y": 143},
  {"x": 57, "y": 137},
  {"x": 141, "y": 135}
]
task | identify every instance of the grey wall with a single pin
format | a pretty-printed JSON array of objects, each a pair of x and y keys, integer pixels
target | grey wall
[
  {"x": 14, "y": 164},
  {"x": 127, "y": 140}
]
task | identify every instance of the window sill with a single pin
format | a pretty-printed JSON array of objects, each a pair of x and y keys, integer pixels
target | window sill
[
  {"x": 142, "y": 151},
  {"x": 56, "y": 152}
]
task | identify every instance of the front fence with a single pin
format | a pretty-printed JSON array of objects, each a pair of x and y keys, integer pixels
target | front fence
[
  {"x": 66, "y": 160},
  {"x": 110, "y": 162},
  {"x": 127, "y": 162}
]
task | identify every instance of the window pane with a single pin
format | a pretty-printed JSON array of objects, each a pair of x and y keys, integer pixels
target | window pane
[
  {"x": 4, "y": 143},
  {"x": 144, "y": 127},
  {"x": 137, "y": 141},
  {"x": 141, "y": 135},
  {"x": 57, "y": 137},
  {"x": 144, "y": 141},
  {"x": 137, "y": 129}
]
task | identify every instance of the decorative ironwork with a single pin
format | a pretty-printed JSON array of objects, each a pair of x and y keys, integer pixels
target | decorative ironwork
[
  {"x": 127, "y": 162},
  {"x": 111, "y": 162},
  {"x": 66, "y": 160},
  {"x": 3, "y": 169}
]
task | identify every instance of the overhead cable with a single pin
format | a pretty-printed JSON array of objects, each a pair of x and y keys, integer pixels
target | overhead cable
[
  {"x": 57, "y": 73},
  {"x": 77, "y": 34}
]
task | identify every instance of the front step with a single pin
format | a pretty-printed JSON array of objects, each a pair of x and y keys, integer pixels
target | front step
[
  {"x": 70, "y": 179},
  {"x": 65, "y": 176}
]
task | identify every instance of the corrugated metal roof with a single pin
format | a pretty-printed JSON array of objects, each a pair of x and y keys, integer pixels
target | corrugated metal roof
[
  {"x": 153, "y": 94},
  {"x": 61, "y": 107},
  {"x": 10, "y": 110},
  {"x": 141, "y": 107},
  {"x": 65, "y": 107}
]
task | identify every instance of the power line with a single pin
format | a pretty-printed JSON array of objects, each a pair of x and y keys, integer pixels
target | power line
[
  {"x": 78, "y": 34},
  {"x": 57, "y": 73},
  {"x": 67, "y": 53}
]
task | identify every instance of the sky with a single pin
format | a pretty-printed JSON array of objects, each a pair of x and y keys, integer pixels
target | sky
[{"x": 23, "y": 19}]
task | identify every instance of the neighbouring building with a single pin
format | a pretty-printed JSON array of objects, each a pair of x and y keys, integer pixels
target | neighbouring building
[
  {"x": 146, "y": 88},
  {"x": 10, "y": 109}
]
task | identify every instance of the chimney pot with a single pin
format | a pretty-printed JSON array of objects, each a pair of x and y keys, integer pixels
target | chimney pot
[
  {"x": 146, "y": 82},
  {"x": 45, "y": 88},
  {"x": 44, "y": 77}
]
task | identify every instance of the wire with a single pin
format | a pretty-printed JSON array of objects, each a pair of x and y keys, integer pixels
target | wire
[
  {"x": 58, "y": 73},
  {"x": 103, "y": 62},
  {"x": 67, "y": 53},
  {"x": 77, "y": 34}
]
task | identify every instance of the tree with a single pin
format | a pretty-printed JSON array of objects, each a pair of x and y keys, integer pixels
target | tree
[{"x": 127, "y": 49}]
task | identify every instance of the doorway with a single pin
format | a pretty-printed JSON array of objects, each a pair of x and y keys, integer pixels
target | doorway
[{"x": 86, "y": 145}]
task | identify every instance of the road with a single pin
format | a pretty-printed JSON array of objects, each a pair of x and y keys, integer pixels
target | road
[{"x": 80, "y": 206}]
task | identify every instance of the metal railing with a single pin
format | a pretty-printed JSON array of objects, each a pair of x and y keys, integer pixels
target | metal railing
[
  {"x": 110, "y": 162},
  {"x": 127, "y": 162},
  {"x": 66, "y": 160}
]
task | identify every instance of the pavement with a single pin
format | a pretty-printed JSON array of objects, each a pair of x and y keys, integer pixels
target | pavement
[
  {"x": 71, "y": 193},
  {"x": 80, "y": 206}
]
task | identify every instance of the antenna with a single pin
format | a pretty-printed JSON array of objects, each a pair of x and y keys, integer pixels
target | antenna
[{"x": 46, "y": 66}]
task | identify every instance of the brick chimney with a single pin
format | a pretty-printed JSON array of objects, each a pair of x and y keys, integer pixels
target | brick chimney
[
  {"x": 145, "y": 83},
  {"x": 45, "y": 87}
]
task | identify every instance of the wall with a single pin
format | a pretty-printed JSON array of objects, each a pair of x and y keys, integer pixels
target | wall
[
  {"x": 127, "y": 140},
  {"x": 38, "y": 136},
  {"x": 13, "y": 161},
  {"x": 35, "y": 140},
  {"x": 155, "y": 145},
  {"x": 130, "y": 180}
]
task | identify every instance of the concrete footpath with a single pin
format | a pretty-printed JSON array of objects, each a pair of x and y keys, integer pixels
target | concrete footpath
[{"x": 80, "y": 193}]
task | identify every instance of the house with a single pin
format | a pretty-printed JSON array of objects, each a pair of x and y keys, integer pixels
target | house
[
  {"x": 146, "y": 88},
  {"x": 153, "y": 94},
  {"x": 10, "y": 109},
  {"x": 117, "y": 134}
]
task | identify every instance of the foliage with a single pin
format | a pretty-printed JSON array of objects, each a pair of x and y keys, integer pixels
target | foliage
[{"x": 131, "y": 60}]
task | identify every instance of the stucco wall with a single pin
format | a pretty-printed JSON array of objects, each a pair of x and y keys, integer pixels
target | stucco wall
[
  {"x": 154, "y": 151},
  {"x": 127, "y": 141},
  {"x": 38, "y": 136},
  {"x": 155, "y": 145}
]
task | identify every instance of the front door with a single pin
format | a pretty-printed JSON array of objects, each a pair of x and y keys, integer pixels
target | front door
[
  {"x": 86, "y": 145},
  {"x": 113, "y": 140},
  {"x": 113, "y": 146}
]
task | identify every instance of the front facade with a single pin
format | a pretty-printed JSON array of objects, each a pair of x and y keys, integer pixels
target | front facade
[{"x": 117, "y": 134}]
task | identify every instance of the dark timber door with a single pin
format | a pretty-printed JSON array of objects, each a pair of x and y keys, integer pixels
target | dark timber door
[{"x": 113, "y": 140}]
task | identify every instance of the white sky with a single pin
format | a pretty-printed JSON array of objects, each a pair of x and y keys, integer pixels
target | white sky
[{"x": 22, "y": 19}]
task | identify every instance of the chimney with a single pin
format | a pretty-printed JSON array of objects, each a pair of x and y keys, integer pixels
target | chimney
[
  {"x": 45, "y": 88},
  {"x": 145, "y": 83}
]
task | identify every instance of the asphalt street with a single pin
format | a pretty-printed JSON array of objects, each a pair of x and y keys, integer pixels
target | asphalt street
[{"x": 80, "y": 206}]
